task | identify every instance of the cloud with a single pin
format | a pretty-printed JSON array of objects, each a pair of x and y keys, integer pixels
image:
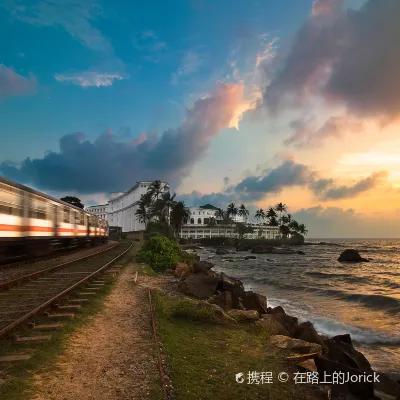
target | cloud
[
  {"x": 74, "y": 16},
  {"x": 13, "y": 84},
  {"x": 306, "y": 133},
  {"x": 190, "y": 63},
  {"x": 107, "y": 164},
  {"x": 89, "y": 78},
  {"x": 292, "y": 174},
  {"x": 148, "y": 43},
  {"x": 348, "y": 58},
  {"x": 226, "y": 180},
  {"x": 335, "y": 222}
]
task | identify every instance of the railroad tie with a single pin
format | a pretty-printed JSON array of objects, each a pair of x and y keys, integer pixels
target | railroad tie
[
  {"x": 15, "y": 357},
  {"x": 78, "y": 300},
  {"x": 48, "y": 327},
  {"x": 70, "y": 307},
  {"x": 33, "y": 339},
  {"x": 61, "y": 316},
  {"x": 86, "y": 294}
]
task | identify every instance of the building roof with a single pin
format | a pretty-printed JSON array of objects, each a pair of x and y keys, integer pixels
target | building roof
[{"x": 209, "y": 207}]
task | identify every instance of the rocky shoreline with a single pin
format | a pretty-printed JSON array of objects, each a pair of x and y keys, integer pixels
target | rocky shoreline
[{"x": 309, "y": 351}]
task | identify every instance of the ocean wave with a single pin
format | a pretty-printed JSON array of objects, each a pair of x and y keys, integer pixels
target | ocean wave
[
  {"x": 326, "y": 274},
  {"x": 331, "y": 328}
]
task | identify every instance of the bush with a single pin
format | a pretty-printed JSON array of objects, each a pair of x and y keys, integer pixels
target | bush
[{"x": 162, "y": 253}]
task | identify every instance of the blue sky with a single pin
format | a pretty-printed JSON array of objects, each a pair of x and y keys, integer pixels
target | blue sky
[{"x": 251, "y": 101}]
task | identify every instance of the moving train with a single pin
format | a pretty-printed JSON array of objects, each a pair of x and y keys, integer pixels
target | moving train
[{"x": 35, "y": 224}]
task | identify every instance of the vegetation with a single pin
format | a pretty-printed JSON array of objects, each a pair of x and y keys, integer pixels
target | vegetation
[
  {"x": 74, "y": 201},
  {"x": 203, "y": 357},
  {"x": 162, "y": 253}
]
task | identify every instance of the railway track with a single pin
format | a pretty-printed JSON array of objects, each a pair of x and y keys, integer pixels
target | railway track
[{"x": 31, "y": 294}]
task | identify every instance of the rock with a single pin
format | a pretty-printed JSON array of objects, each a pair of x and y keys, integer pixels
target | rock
[
  {"x": 242, "y": 247},
  {"x": 200, "y": 285},
  {"x": 388, "y": 386},
  {"x": 346, "y": 338},
  {"x": 344, "y": 353},
  {"x": 262, "y": 249},
  {"x": 215, "y": 313},
  {"x": 288, "y": 322},
  {"x": 295, "y": 345},
  {"x": 300, "y": 252},
  {"x": 244, "y": 315},
  {"x": 223, "y": 300},
  {"x": 202, "y": 266},
  {"x": 230, "y": 284},
  {"x": 306, "y": 331},
  {"x": 351, "y": 255},
  {"x": 277, "y": 310},
  {"x": 326, "y": 367},
  {"x": 255, "y": 301},
  {"x": 306, "y": 365},
  {"x": 182, "y": 270},
  {"x": 272, "y": 326},
  {"x": 250, "y": 258},
  {"x": 170, "y": 271},
  {"x": 282, "y": 250}
]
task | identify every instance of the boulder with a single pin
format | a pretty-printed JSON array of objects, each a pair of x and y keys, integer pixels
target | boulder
[
  {"x": 288, "y": 322},
  {"x": 213, "y": 313},
  {"x": 222, "y": 251},
  {"x": 244, "y": 315},
  {"x": 262, "y": 249},
  {"x": 306, "y": 331},
  {"x": 344, "y": 353},
  {"x": 282, "y": 250},
  {"x": 242, "y": 247},
  {"x": 250, "y": 258},
  {"x": 346, "y": 338},
  {"x": 272, "y": 326},
  {"x": 300, "y": 252},
  {"x": 360, "y": 389},
  {"x": 200, "y": 285},
  {"x": 295, "y": 345},
  {"x": 182, "y": 270},
  {"x": 230, "y": 284},
  {"x": 223, "y": 300},
  {"x": 388, "y": 386},
  {"x": 202, "y": 266},
  {"x": 351, "y": 255},
  {"x": 277, "y": 310},
  {"x": 255, "y": 301}
]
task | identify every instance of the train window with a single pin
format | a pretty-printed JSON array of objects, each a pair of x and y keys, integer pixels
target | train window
[
  {"x": 81, "y": 219},
  {"x": 66, "y": 215}
]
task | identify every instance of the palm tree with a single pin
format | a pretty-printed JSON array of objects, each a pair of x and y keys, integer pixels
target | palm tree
[
  {"x": 259, "y": 214},
  {"x": 232, "y": 211},
  {"x": 243, "y": 212},
  {"x": 294, "y": 226},
  {"x": 156, "y": 189},
  {"x": 211, "y": 223},
  {"x": 219, "y": 214},
  {"x": 280, "y": 207},
  {"x": 284, "y": 230},
  {"x": 179, "y": 215},
  {"x": 302, "y": 229},
  {"x": 271, "y": 213},
  {"x": 168, "y": 201},
  {"x": 143, "y": 213}
]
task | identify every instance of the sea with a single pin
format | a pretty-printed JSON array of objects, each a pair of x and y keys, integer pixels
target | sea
[{"x": 361, "y": 299}]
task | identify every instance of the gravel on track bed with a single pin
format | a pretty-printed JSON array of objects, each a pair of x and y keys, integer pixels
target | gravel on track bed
[{"x": 8, "y": 273}]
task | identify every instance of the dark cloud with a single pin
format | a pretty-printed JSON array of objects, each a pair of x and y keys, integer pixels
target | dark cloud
[
  {"x": 226, "y": 180},
  {"x": 290, "y": 174},
  {"x": 348, "y": 57},
  {"x": 12, "y": 84},
  {"x": 306, "y": 133},
  {"x": 107, "y": 164}
]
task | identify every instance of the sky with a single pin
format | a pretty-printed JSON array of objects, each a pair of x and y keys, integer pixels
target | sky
[{"x": 245, "y": 101}]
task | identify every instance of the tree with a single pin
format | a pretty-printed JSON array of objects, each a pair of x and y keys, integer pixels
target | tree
[
  {"x": 302, "y": 230},
  {"x": 284, "y": 230},
  {"x": 243, "y": 212},
  {"x": 156, "y": 189},
  {"x": 271, "y": 214},
  {"x": 294, "y": 225},
  {"x": 168, "y": 201},
  {"x": 74, "y": 201},
  {"x": 259, "y": 214},
  {"x": 232, "y": 211},
  {"x": 241, "y": 229},
  {"x": 281, "y": 208},
  {"x": 143, "y": 212},
  {"x": 219, "y": 214},
  {"x": 179, "y": 216}
]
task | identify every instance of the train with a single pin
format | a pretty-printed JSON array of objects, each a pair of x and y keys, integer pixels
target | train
[{"x": 33, "y": 223}]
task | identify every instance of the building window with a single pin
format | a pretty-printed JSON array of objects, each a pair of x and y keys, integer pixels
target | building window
[
  {"x": 192, "y": 220},
  {"x": 199, "y": 221}
]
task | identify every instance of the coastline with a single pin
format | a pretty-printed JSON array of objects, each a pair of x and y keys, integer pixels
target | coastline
[{"x": 305, "y": 318}]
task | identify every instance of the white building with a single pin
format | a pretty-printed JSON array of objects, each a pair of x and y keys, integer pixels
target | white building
[
  {"x": 122, "y": 207},
  {"x": 100, "y": 210},
  {"x": 197, "y": 226}
]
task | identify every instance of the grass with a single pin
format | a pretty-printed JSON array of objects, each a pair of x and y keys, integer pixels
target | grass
[
  {"x": 19, "y": 376},
  {"x": 204, "y": 358}
]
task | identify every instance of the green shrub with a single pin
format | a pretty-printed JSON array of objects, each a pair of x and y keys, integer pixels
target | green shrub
[{"x": 162, "y": 253}]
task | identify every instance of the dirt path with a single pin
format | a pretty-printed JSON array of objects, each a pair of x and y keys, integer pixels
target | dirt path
[{"x": 113, "y": 358}]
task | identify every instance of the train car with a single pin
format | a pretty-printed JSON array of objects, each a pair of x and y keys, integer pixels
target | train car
[{"x": 34, "y": 223}]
